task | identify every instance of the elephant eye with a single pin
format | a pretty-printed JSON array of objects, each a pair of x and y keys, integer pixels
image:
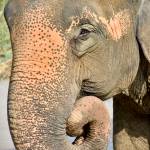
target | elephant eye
[{"x": 85, "y": 30}]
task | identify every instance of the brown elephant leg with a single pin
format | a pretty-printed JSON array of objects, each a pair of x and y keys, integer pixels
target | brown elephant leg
[
  {"x": 131, "y": 129},
  {"x": 89, "y": 121}
]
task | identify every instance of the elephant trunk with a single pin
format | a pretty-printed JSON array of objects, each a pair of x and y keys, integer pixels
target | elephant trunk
[
  {"x": 38, "y": 108},
  {"x": 40, "y": 94}
]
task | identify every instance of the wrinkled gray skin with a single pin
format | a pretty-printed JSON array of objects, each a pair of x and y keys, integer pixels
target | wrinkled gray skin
[{"x": 105, "y": 53}]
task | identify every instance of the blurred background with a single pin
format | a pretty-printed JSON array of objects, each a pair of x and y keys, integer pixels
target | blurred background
[
  {"x": 5, "y": 68},
  {"x": 5, "y": 46}
]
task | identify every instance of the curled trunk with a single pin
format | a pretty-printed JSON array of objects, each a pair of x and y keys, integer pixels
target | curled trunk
[{"x": 90, "y": 123}]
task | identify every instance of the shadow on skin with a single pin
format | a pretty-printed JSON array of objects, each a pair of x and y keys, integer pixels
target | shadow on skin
[{"x": 131, "y": 126}]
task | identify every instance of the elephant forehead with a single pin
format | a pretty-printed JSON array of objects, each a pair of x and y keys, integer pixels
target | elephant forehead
[
  {"x": 116, "y": 26},
  {"x": 36, "y": 26}
]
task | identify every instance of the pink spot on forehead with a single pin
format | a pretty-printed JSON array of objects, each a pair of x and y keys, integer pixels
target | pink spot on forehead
[{"x": 118, "y": 25}]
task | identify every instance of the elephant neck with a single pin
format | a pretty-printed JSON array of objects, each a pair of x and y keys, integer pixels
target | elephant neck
[{"x": 140, "y": 88}]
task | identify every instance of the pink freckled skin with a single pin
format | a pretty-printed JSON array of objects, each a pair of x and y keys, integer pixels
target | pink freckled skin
[
  {"x": 41, "y": 45},
  {"x": 118, "y": 25}
]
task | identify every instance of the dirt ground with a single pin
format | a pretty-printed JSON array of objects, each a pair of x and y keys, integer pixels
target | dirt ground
[{"x": 5, "y": 69}]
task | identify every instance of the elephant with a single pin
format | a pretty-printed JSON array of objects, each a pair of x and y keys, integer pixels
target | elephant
[{"x": 65, "y": 51}]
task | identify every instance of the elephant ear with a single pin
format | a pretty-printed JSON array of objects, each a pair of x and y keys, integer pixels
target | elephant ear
[{"x": 143, "y": 28}]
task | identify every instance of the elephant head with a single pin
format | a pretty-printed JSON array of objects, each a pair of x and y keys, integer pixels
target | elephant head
[{"x": 63, "y": 50}]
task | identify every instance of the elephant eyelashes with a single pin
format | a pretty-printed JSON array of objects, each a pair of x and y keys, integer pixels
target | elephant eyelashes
[{"x": 84, "y": 33}]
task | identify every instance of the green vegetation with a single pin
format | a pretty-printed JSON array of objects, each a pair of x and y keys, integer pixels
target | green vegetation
[{"x": 5, "y": 46}]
